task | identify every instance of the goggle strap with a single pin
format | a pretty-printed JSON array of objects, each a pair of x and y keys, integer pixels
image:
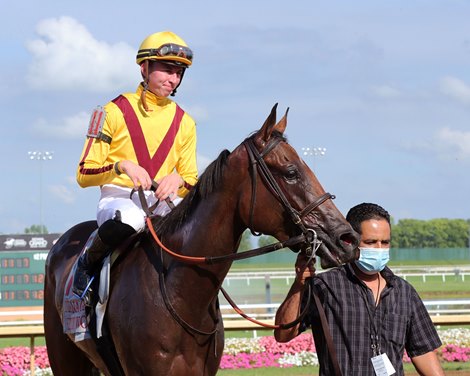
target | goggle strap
[{"x": 173, "y": 50}]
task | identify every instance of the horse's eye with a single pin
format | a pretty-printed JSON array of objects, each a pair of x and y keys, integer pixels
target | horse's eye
[{"x": 291, "y": 174}]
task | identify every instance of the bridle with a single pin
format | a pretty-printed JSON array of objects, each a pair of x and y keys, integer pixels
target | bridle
[
  {"x": 308, "y": 237},
  {"x": 258, "y": 165}
]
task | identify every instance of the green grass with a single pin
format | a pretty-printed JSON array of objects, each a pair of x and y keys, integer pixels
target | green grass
[
  {"x": 255, "y": 291},
  {"x": 289, "y": 261},
  {"x": 10, "y": 342},
  {"x": 435, "y": 288}
]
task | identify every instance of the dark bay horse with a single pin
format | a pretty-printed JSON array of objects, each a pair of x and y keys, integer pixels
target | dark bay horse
[{"x": 175, "y": 327}]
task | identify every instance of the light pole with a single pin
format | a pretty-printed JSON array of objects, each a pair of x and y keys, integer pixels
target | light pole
[
  {"x": 40, "y": 156},
  {"x": 314, "y": 151}
]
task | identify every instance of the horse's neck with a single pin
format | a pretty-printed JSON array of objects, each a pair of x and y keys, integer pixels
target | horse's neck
[{"x": 208, "y": 233}]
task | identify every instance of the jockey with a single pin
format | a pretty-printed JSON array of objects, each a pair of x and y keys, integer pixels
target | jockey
[{"x": 131, "y": 141}]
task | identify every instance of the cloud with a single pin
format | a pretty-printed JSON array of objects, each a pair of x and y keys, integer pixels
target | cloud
[
  {"x": 454, "y": 143},
  {"x": 66, "y": 56},
  {"x": 72, "y": 127},
  {"x": 445, "y": 144},
  {"x": 63, "y": 193},
  {"x": 455, "y": 88}
]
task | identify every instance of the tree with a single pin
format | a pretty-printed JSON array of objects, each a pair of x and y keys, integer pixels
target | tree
[
  {"x": 434, "y": 233},
  {"x": 36, "y": 229}
]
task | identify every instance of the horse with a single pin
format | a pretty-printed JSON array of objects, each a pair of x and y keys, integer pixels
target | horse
[{"x": 163, "y": 314}]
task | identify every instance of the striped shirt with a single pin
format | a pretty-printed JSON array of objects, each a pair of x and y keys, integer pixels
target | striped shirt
[{"x": 400, "y": 321}]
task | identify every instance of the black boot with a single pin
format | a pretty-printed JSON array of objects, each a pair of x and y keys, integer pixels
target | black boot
[{"x": 87, "y": 264}]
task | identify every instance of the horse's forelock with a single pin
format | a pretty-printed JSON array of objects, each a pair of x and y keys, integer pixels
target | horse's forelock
[
  {"x": 206, "y": 185},
  {"x": 280, "y": 135},
  {"x": 274, "y": 134},
  {"x": 208, "y": 182}
]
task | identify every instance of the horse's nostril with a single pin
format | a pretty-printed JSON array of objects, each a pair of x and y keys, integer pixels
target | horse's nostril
[{"x": 348, "y": 238}]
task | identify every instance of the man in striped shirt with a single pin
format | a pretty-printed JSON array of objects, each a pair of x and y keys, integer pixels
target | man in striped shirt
[
  {"x": 373, "y": 315},
  {"x": 133, "y": 140}
]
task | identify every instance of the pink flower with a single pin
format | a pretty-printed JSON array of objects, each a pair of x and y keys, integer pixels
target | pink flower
[
  {"x": 15, "y": 360},
  {"x": 453, "y": 353},
  {"x": 244, "y": 360},
  {"x": 265, "y": 352},
  {"x": 303, "y": 342}
]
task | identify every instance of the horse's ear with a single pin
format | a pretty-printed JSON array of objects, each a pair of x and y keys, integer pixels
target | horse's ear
[
  {"x": 281, "y": 126},
  {"x": 268, "y": 125}
]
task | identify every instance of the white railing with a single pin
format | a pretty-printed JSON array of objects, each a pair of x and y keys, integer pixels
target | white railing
[
  {"x": 404, "y": 272},
  {"x": 268, "y": 309},
  {"x": 257, "y": 311}
]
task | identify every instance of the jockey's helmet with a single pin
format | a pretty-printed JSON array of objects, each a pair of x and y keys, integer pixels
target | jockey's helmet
[{"x": 166, "y": 46}]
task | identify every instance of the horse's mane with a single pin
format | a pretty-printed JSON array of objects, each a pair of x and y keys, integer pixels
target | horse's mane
[{"x": 208, "y": 182}]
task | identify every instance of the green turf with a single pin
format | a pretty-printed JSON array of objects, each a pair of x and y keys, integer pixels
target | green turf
[
  {"x": 255, "y": 291},
  {"x": 10, "y": 342}
]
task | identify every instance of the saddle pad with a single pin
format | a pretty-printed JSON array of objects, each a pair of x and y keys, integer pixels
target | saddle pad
[{"x": 75, "y": 319}]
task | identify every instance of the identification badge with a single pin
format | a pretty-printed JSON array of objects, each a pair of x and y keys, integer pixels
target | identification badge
[
  {"x": 96, "y": 122},
  {"x": 382, "y": 365}
]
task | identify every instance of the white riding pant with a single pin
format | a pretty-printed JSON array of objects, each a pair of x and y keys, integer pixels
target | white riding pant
[{"x": 115, "y": 198}]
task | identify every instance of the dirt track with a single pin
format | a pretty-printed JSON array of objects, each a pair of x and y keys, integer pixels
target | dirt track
[{"x": 25, "y": 316}]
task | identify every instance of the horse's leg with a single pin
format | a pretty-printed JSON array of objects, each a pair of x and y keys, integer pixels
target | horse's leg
[{"x": 65, "y": 358}]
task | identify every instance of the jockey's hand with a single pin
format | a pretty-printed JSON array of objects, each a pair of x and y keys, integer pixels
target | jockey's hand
[
  {"x": 137, "y": 174},
  {"x": 304, "y": 267},
  {"x": 168, "y": 186}
]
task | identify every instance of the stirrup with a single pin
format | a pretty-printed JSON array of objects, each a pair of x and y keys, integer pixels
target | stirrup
[{"x": 82, "y": 293}]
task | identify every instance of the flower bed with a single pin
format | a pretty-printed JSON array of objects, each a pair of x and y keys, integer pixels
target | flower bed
[{"x": 246, "y": 353}]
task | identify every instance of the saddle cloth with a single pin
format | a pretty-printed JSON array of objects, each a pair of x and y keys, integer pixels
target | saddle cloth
[{"x": 75, "y": 315}]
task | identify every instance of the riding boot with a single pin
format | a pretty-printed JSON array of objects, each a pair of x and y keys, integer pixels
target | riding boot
[{"x": 87, "y": 264}]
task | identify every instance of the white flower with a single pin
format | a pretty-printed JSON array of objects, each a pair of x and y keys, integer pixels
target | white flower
[{"x": 300, "y": 359}]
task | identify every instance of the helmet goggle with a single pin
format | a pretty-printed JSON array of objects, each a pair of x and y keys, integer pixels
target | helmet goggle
[{"x": 167, "y": 51}]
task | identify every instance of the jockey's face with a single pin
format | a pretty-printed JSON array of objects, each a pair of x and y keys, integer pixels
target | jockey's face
[{"x": 163, "y": 78}]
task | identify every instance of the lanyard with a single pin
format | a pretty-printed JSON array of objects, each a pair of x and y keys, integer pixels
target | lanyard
[{"x": 374, "y": 333}]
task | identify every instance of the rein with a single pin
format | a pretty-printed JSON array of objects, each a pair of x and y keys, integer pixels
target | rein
[
  {"x": 210, "y": 260},
  {"x": 263, "y": 324},
  {"x": 308, "y": 237}
]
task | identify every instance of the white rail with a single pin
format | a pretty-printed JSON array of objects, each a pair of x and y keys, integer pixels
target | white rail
[
  {"x": 404, "y": 272},
  {"x": 259, "y": 311}
]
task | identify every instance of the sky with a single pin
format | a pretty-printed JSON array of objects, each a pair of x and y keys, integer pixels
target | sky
[{"x": 383, "y": 86}]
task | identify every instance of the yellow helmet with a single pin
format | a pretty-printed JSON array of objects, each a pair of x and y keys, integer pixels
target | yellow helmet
[{"x": 165, "y": 45}]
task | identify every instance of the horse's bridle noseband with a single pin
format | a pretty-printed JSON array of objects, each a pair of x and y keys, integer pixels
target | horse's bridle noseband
[{"x": 257, "y": 163}]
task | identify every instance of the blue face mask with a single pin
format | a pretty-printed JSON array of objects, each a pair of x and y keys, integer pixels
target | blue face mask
[{"x": 373, "y": 260}]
